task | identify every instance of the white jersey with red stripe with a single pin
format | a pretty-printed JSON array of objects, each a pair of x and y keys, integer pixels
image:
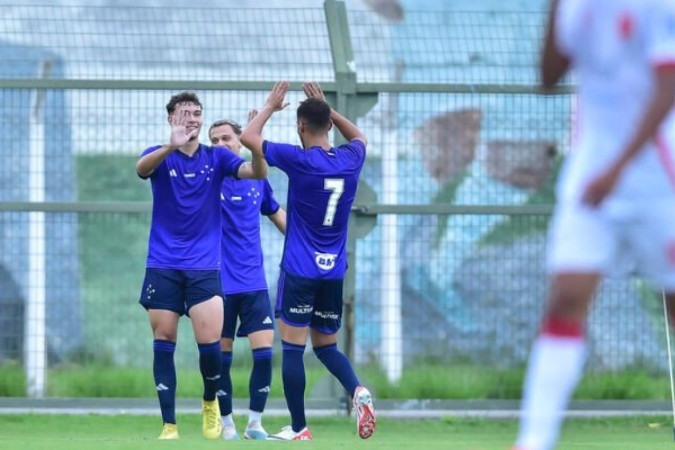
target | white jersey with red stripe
[{"x": 614, "y": 47}]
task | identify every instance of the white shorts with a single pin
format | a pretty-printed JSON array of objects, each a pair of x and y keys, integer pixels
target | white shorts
[{"x": 636, "y": 237}]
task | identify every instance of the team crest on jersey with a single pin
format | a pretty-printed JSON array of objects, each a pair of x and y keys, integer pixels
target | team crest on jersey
[{"x": 325, "y": 261}]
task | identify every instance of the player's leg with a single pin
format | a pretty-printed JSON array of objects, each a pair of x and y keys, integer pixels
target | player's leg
[
  {"x": 164, "y": 325},
  {"x": 556, "y": 361},
  {"x": 259, "y": 382},
  {"x": 205, "y": 308},
  {"x": 326, "y": 349},
  {"x": 325, "y": 324},
  {"x": 582, "y": 246},
  {"x": 257, "y": 324},
  {"x": 162, "y": 297},
  {"x": 295, "y": 298},
  {"x": 225, "y": 393}
]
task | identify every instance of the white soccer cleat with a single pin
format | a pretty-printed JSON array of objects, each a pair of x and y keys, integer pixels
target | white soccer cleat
[
  {"x": 230, "y": 433},
  {"x": 287, "y": 434},
  {"x": 365, "y": 412},
  {"x": 255, "y": 431}
]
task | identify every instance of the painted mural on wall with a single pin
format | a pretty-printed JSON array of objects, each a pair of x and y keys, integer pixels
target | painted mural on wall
[
  {"x": 472, "y": 286},
  {"x": 467, "y": 296}
]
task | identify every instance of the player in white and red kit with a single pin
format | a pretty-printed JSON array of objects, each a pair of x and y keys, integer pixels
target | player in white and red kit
[{"x": 616, "y": 193}]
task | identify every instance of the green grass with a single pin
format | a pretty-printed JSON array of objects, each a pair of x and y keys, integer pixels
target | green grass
[
  {"x": 447, "y": 382},
  {"x": 67, "y": 432}
]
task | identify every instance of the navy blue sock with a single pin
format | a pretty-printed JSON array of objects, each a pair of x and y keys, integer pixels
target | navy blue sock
[
  {"x": 209, "y": 365},
  {"x": 225, "y": 384},
  {"x": 293, "y": 376},
  {"x": 261, "y": 378},
  {"x": 338, "y": 364},
  {"x": 164, "y": 371}
]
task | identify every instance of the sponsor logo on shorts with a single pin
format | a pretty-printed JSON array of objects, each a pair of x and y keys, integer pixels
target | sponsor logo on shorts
[
  {"x": 301, "y": 309},
  {"x": 326, "y": 315},
  {"x": 267, "y": 320}
]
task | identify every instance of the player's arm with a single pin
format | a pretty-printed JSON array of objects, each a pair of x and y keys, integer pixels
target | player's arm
[
  {"x": 148, "y": 163},
  {"x": 256, "y": 169},
  {"x": 279, "y": 219},
  {"x": 553, "y": 64},
  {"x": 251, "y": 137},
  {"x": 658, "y": 108},
  {"x": 345, "y": 126}
]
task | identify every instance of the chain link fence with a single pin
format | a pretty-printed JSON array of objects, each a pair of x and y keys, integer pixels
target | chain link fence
[{"x": 459, "y": 179}]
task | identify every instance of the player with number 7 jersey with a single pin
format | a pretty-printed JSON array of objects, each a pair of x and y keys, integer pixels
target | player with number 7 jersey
[
  {"x": 321, "y": 189},
  {"x": 322, "y": 182}
]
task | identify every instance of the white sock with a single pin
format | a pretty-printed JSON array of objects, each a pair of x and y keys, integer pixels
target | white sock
[
  {"x": 555, "y": 367},
  {"x": 254, "y": 416},
  {"x": 227, "y": 420}
]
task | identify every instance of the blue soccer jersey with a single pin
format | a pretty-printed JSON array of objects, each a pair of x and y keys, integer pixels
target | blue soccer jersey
[
  {"x": 186, "y": 218},
  {"x": 321, "y": 190},
  {"x": 243, "y": 201}
]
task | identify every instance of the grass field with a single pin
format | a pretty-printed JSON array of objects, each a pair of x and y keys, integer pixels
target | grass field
[{"x": 75, "y": 432}]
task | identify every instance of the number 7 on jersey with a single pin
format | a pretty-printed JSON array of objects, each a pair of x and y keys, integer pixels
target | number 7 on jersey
[{"x": 336, "y": 186}]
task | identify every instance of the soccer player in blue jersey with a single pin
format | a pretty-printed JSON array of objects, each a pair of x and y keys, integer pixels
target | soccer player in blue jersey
[
  {"x": 322, "y": 182},
  {"x": 244, "y": 284},
  {"x": 183, "y": 266}
]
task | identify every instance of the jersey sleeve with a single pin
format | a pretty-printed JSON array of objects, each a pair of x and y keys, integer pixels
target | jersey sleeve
[
  {"x": 661, "y": 35},
  {"x": 356, "y": 148},
  {"x": 282, "y": 156},
  {"x": 269, "y": 204},
  {"x": 147, "y": 151},
  {"x": 568, "y": 24},
  {"x": 228, "y": 162}
]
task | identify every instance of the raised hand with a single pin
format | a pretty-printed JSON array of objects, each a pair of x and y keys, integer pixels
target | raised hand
[
  {"x": 179, "y": 134},
  {"x": 276, "y": 98},
  {"x": 313, "y": 90}
]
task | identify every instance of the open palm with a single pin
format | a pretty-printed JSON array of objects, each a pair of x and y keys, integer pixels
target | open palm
[{"x": 179, "y": 133}]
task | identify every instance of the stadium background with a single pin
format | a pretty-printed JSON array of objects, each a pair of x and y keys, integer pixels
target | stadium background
[{"x": 448, "y": 235}]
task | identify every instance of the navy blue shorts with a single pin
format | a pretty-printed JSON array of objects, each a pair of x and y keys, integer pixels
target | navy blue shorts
[
  {"x": 178, "y": 290},
  {"x": 316, "y": 303},
  {"x": 254, "y": 311}
]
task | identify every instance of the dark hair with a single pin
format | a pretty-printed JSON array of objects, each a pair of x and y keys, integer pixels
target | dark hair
[
  {"x": 219, "y": 123},
  {"x": 315, "y": 113},
  {"x": 183, "y": 97}
]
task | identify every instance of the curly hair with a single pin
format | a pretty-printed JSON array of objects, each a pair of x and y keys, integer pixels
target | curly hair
[{"x": 183, "y": 97}]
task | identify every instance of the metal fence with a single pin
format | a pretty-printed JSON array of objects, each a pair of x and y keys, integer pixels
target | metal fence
[{"x": 448, "y": 232}]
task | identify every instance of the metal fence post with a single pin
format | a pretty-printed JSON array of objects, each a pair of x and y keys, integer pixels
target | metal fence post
[{"x": 352, "y": 105}]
